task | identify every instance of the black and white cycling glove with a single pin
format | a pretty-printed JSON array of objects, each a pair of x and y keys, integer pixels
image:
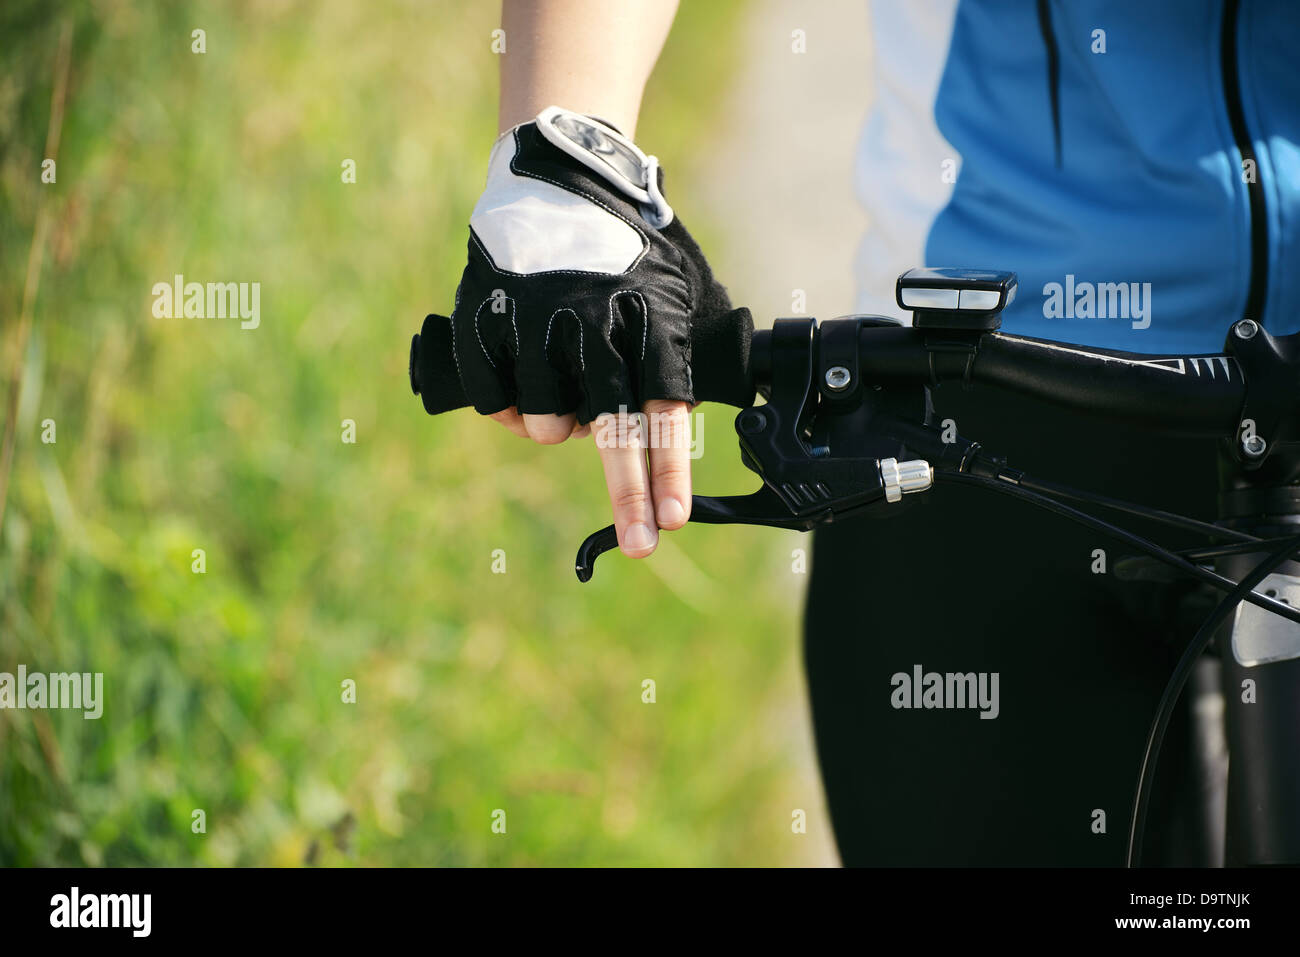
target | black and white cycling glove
[{"x": 584, "y": 292}]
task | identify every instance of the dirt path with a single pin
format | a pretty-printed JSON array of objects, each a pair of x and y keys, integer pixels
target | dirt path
[
  {"x": 783, "y": 177},
  {"x": 783, "y": 183}
]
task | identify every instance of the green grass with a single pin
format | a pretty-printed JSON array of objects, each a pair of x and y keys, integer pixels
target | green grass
[{"x": 327, "y": 561}]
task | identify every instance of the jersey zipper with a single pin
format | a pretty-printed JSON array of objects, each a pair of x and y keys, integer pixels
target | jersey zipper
[
  {"x": 1053, "y": 73},
  {"x": 1258, "y": 288}
]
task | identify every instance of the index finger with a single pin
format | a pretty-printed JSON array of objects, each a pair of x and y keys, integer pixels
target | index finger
[
  {"x": 620, "y": 439},
  {"x": 670, "y": 461}
]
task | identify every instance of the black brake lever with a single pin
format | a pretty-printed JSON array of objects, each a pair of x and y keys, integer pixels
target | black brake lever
[
  {"x": 808, "y": 482},
  {"x": 763, "y": 507}
]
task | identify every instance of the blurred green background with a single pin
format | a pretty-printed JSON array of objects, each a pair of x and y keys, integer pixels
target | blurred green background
[{"x": 328, "y": 561}]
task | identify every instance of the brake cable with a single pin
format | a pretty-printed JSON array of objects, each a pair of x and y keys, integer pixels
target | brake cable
[
  {"x": 1153, "y": 514},
  {"x": 1193, "y": 651},
  {"x": 1134, "y": 541},
  {"x": 1236, "y": 593},
  {"x": 1237, "y": 548}
]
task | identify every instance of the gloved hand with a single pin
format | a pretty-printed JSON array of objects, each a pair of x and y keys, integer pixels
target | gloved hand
[{"x": 585, "y": 296}]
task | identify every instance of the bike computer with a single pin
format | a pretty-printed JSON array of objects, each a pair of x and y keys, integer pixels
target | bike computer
[{"x": 956, "y": 298}]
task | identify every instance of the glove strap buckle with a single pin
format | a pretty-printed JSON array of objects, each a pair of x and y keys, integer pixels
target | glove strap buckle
[{"x": 612, "y": 156}]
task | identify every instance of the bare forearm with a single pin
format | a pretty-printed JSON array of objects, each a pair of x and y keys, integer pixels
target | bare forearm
[{"x": 590, "y": 56}]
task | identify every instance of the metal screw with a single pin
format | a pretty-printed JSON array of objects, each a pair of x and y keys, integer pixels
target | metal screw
[
  {"x": 1253, "y": 445},
  {"x": 1246, "y": 329},
  {"x": 838, "y": 378}
]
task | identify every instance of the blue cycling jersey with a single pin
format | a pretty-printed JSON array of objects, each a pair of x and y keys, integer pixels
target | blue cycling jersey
[{"x": 1137, "y": 163}]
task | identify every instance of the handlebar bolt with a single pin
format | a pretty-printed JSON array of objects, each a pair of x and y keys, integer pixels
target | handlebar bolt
[
  {"x": 1246, "y": 329},
  {"x": 838, "y": 378},
  {"x": 1253, "y": 445}
]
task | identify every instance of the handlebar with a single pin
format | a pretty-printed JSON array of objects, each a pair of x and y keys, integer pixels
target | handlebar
[
  {"x": 819, "y": 464},
  {"x": 1196, "y": 394}
]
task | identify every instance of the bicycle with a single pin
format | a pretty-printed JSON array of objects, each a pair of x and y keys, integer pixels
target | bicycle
[{"x": 847, "y": 427}]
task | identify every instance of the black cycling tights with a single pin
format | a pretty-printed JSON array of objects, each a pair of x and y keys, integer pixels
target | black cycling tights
[{"x": 964, "y": 581}]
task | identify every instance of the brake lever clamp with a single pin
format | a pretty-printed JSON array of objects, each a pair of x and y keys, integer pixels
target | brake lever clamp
[{"x": 813, "y": 378}]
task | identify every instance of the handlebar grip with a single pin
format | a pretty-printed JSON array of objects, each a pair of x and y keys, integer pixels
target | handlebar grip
[
  {"x": 435, "y": 377},
  {"x": 720, "y": 362},
  {"x": 720, "y": 358}
]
